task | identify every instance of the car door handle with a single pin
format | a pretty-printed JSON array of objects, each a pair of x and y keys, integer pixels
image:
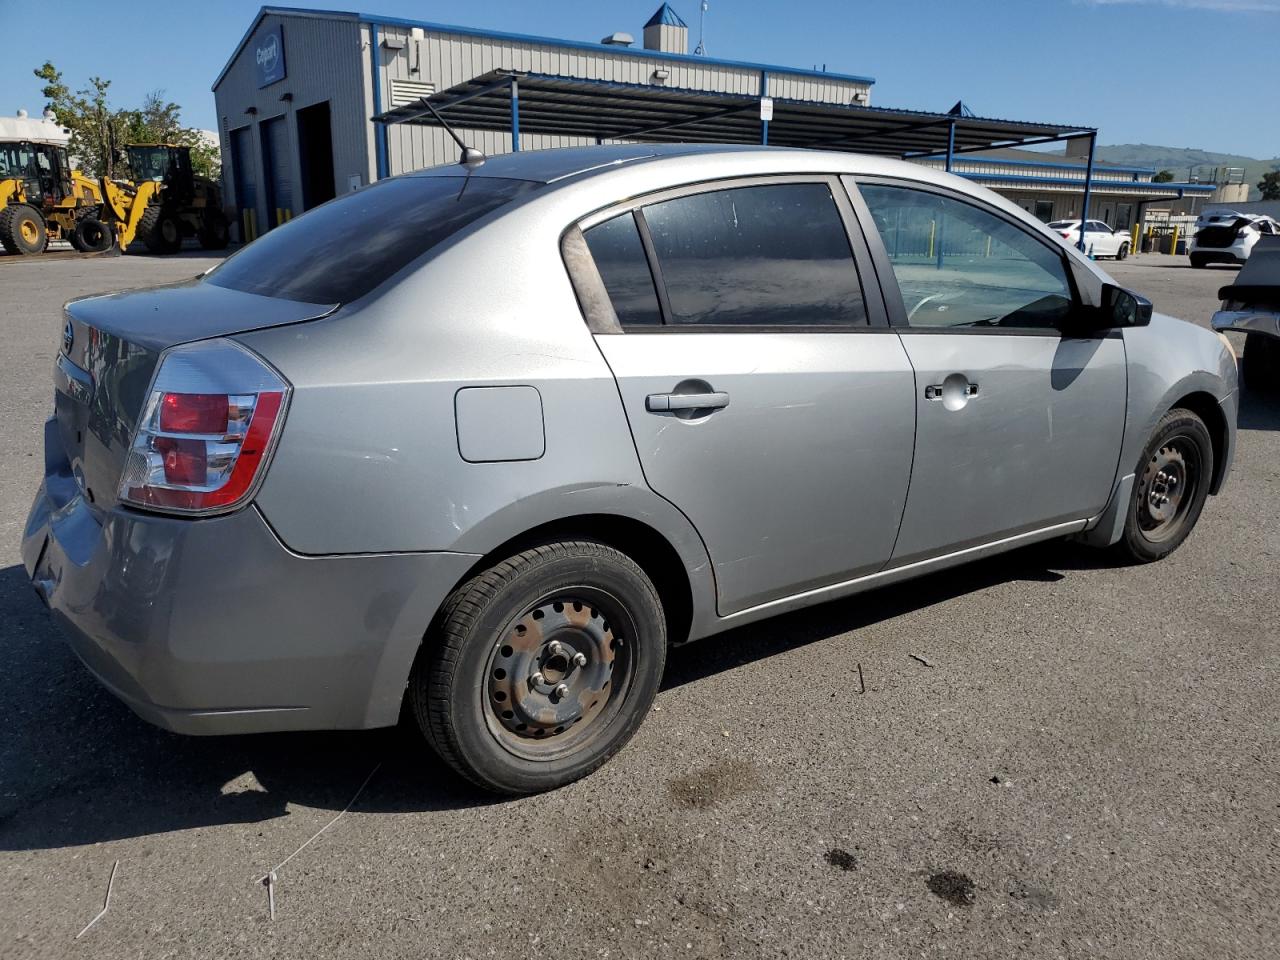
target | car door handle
[
  {"x": 663, "y": 402},
  {"x": 935, "y": 391}
]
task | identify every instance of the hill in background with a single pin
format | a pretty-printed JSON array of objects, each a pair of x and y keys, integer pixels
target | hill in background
[{"x": 1181, "y": 160}]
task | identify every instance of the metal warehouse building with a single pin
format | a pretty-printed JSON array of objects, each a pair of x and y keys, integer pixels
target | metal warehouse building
[{"x": 316, "y": 103}]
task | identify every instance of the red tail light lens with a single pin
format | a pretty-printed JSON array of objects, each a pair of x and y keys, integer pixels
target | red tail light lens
[
  {"x": 213, "y": 414},
  {"x": 193, "y": 412}
]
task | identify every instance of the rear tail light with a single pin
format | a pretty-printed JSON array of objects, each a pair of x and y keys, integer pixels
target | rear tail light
[
  {"x": 206, "y": 432},
  {"x": 1066, "y": 234}
]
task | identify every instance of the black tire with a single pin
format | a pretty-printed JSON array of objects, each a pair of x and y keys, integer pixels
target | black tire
[
  {"x": 1176, "y": 466},
  {"x": 1123, "y": 252},
  {"x": 22, "y": 230},
  {"x": 1260, "y": 363},
  {"x": 480, "y": 675},
  {"x": 160, "y": 230},
  {"x": 1197, "y": 262},
  {"x": 214, "y": 234},
  {"x": 91, "y": 235}
]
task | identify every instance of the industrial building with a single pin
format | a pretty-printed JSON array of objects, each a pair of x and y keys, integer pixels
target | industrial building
[{"x": 316, "y": 103}]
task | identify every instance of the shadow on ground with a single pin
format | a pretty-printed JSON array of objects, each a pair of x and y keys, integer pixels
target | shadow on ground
[
  {"x": 1260, "y": 411},
  {"x": 77, "y": 767}
]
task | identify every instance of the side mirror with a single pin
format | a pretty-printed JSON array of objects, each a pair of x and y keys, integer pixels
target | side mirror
[{"x": 1123, "y": 308}]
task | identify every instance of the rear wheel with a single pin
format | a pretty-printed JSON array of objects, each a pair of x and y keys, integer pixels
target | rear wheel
[
  {"x": 1171, "y": 485},
  {"x": 543, "y": 667},
  {"x": 22, "y": 229},
  {"x": 1260, "y": 364},
  {"x": 92, "y": 236},
  {"x": 1198, "y": 262}
]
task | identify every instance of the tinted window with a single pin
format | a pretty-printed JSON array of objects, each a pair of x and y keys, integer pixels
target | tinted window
[
  {"x": 959, "y": 266},
  {"x": 619, "y": 255},
  {"x": 767, "y": 255},
  {"x": 343, "y": 249}
]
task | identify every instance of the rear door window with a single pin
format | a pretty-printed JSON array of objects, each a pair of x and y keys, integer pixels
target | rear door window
[
  {"x": 345, "y": 248},
  {"x": 768, "y": 255},
  {"x": 616, "y": 247}
]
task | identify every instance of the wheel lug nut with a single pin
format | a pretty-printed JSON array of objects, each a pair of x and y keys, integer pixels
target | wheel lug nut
[
  {"x": 561, "y": 691},
  {"x": 537, "y": 679},
  {"x": 555, "y": 648},
  {"x": 580, "y": 659}
]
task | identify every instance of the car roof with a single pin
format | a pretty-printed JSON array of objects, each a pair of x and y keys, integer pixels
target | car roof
[
  {"x": 581, "y": 163},
  {"x": 549, "y": 166}
]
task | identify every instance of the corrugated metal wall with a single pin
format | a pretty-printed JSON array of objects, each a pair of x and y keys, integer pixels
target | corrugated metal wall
[
  {"x": 449, "y": 59},
  {"x": 325, "y": 59}
]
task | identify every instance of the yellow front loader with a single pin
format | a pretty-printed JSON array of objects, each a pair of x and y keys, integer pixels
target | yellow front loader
[{"x": 41, "y": 199}]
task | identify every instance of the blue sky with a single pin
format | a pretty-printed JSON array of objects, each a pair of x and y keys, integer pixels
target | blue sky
[{"x": 1129, "y": 67}]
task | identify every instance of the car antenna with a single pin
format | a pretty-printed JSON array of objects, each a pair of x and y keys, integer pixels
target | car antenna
[{"x": 471, "y": 157}]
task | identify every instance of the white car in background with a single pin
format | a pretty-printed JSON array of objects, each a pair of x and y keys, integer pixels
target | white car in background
[
  {"x": 1099, "y": 239},
  {"x": 1226, "y": 236}
]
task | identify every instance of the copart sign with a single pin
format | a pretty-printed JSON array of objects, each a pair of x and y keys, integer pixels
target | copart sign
[{"x": 269, "y": 55}]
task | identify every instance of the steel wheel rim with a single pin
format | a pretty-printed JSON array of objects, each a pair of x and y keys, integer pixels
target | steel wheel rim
[
  {"x": 1168, "y": 488},
  {"x": 169, "y": 230},
  {"x": 579, "y": 637},
  {"x": 28, "y": 230}
]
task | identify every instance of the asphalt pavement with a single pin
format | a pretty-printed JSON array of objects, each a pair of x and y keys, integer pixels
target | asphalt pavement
[{"x": 1039, "y": 755}]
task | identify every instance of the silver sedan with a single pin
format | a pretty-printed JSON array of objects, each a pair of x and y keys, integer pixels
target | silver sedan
[{"x": 484, "y": 441}]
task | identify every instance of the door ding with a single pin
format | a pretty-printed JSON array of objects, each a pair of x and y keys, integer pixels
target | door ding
[
  {"x": 764, "y": 404},
  {"x": 1019, "y": 422}
]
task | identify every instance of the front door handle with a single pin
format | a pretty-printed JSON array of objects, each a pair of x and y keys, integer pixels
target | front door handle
[
  {"x": 663, "y": 402},
  {"x": 937, "y": 391}
]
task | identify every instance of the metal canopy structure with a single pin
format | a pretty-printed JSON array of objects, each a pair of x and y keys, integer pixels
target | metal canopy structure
[
  {"x": 541, "y": 103},
  {"x": 503, "y": 100}
]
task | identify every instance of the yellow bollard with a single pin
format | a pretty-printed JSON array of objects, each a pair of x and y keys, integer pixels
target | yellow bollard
[
  {"x": 988, "y": 244},
  {"x": 1133, "y": 240},
  {"x": 933, "y": 226},
  {"x": 253, "y": 224},
  {"x": 1173, "y": 242}
]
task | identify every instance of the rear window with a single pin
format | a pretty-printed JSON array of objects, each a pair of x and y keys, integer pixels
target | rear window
[
  {"x": 1061, "y": 224},
  {"x": 341, "y": 250}
]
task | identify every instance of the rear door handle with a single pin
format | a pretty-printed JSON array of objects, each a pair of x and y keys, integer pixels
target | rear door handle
[{"x": 663, "y": 402}]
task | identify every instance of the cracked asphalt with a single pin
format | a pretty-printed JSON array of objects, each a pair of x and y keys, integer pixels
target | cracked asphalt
[{"x": 1087, "y": 767}]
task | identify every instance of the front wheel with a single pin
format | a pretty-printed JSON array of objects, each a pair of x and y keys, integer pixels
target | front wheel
[
  {"x": 1171, "y": 485},
  {"x": 1122, "y": 252},
  {"x": 542, "y": 668}
]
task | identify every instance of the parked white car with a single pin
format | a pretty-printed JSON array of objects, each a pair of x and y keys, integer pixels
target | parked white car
[
  {"x": 1226, "y": 236},
  {"x": 1099, "y": 239}
]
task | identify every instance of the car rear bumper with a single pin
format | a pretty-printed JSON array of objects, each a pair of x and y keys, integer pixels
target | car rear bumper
[{"x": 213, "y": 626}]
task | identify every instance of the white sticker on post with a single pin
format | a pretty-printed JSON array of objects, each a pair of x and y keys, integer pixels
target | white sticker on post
[{"x": 766, "y": 108}]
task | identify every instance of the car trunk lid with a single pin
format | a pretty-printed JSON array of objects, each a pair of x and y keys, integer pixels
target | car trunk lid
[{"x": 109, "y": 351}]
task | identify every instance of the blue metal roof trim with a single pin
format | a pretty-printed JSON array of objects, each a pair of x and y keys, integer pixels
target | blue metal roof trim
[
  {"x": 526, "y": 38},
  {"x": 262, "y": 12},
  {"x": 962, "y": 158},
  {"x": 664, "y": 16},
  {"x": 1175, "y": 189},
  {"x": 597, "y": 47}
]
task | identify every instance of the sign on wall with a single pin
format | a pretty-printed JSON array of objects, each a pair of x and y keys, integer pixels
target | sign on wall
[{"x": 269, "y": 55}]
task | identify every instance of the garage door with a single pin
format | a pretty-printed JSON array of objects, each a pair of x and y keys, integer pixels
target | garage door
[
  {"x": 276, "y": 170},
  {"x": 246, "y": 186}
]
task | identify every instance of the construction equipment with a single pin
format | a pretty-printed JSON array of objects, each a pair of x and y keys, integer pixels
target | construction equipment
[
  {"x": 42, "y": 198},
  {"x": 166, "y": 202}
]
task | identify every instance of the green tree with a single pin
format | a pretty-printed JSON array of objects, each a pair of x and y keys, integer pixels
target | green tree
[
  {"x": 1270, "y": 185},
  {"x": 99, "y": 131},
  {"x": 1164, "y": 176}
]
